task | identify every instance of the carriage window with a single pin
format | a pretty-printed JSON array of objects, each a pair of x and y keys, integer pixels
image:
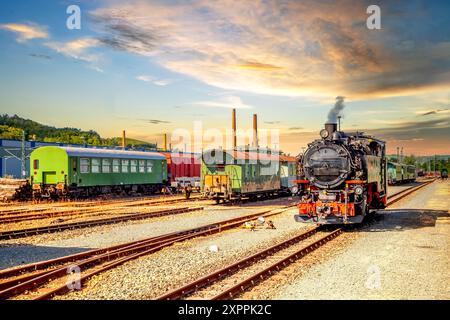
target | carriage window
[
  {"x": 116, "y": 165},
  {"x": 133, "y": 165},
  {"x": 106, "y": 165},
  {"x": 125, "y": 165},
  {"x": 141, "y": 166},
  {"x": 149, "y": 166},
  {"x": 36, "y": 164},
  {"x": 95, "y": 165},
  {"x": 84, "y": 165}
]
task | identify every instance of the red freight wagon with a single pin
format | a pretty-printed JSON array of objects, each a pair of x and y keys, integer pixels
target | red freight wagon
[{"x": 183, "y": 169}]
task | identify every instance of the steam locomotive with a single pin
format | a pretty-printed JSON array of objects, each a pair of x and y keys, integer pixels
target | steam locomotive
[{"x": 344, "y": 176}]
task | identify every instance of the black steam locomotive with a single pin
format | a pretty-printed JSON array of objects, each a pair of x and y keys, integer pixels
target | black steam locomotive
[{"x": 344, "y": 177}]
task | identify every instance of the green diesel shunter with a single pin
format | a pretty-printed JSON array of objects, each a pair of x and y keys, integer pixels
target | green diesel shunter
[
  {"x": 81, "y": 172},
  {"x": 233, "y": 175}
]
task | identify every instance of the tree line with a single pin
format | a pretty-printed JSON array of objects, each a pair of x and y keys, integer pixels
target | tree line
[{"x": 12, "y": 127}]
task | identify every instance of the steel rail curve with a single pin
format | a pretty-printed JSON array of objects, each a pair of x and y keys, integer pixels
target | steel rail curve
[
  {"x": 249, "y": 282},
  {"x": 90, "y": 223},
  {"x": 29, "y": 277}
]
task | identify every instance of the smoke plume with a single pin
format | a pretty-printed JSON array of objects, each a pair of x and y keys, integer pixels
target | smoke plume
[{"x": 336, "y": 110}]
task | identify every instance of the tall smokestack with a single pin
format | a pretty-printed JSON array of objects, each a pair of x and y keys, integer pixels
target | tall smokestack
[
  {"x": 255, "y": 131},
  {"x": 331, "y": 128},
  {"x": 165, "y": 141},
  {"x": 123, "y": 139},
  {"x": 233, "y": 128}
]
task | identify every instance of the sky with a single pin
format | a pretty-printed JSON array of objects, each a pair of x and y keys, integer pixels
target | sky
[{"x": 155, "y": 67}]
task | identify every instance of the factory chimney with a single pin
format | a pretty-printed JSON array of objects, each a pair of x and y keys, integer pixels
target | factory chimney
[
  {"x": 233, "y": 128},
  {"x": 165, "y": 141},
  {"x": 123, "y": 139},
  {"x": 255, "y": 131}
]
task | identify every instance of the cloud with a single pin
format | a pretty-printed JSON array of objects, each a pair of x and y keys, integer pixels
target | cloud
[
  {"x": 435, "y": 111},
  {"x": 77, "y": 49},
  {"x": 158, "y": 82},
  {"x": 40, "y": 56},
  {"x": 155, "y": 121},
  {"x": 27, "y": 31},
  {"x": 229, "y": 102},
  {"x": 272, "y": 122},
  {"x": 290, "y": 48},
  {"x": 295, "y": 128},
  {"x": 253, "y": 65}
]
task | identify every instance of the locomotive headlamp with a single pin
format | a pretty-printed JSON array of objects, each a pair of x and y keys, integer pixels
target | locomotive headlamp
[
  {"x": 359, "y": 190},
  {"x": 294, "y": 189},
  {"x": 324, "y": 133}
]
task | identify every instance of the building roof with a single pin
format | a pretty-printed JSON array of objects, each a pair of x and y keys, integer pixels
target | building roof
[{"x": 108, "y": 153}]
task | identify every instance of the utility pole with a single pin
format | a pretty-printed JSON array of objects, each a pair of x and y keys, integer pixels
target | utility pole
[
  {"x": 22, "y": 167},
  {"x": 434, "y": 167}
]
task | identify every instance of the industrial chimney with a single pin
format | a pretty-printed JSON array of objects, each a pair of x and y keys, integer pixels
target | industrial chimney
[
  {"x": 255, "y": 131},
  {"x": 233, "y": 128},
  {"x": 123, "y": 139},
  {"x": 165, "y": 141}
]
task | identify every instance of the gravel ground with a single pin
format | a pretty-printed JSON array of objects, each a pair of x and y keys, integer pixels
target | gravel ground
[
  {"x": 46, "y": 246},
  {"x": 153, "y": 275},
  {"x": 404, "y": 254}
]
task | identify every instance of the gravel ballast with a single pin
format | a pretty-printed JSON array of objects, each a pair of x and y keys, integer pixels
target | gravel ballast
[
  {"x": 405, "y": 255},
  {"x": 153, "y": 275},
  {"x": 46, "y": 246}
]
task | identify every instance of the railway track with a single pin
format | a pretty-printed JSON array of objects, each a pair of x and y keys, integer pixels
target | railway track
[
  {"x": 40, "y": 213},
  {"x": 248, "y": 271},
  {"x": 233, "y": 280},
  {"x": 115, "y": 202},
  {"x": 43, "y": 280},
  {"x": 20, "y": 233}
]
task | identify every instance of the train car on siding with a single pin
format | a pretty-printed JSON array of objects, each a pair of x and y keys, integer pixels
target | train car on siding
[
  {"x": 183, "y": 170},
  {"x": 82, "y": 172},
  {"x": 230, "y": 175}
]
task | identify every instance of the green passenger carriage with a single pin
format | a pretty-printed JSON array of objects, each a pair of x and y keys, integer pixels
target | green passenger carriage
[
  {"x": 60, "y": 171},
  {"x": 400, "y": 173},
  {"x": 233, "y": 175}
]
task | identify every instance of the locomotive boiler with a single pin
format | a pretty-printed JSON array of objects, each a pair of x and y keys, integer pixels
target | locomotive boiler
[{"x": 344, "y": 177}]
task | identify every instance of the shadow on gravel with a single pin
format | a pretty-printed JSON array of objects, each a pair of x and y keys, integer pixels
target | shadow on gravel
[
  {"x": 402, "y": 219},
  {"x": 15, "y": 255}
]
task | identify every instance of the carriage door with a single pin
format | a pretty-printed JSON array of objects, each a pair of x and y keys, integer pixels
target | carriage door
[
  {"x": 49, "y": 177},
  {"x": 74, "y": 170}
]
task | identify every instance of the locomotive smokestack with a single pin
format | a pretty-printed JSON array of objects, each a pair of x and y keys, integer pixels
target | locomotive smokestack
[
  {"x": 255, "y": 131},
  {"x": 233, "y": 128},
  {"x": 331, "y": 128}
]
